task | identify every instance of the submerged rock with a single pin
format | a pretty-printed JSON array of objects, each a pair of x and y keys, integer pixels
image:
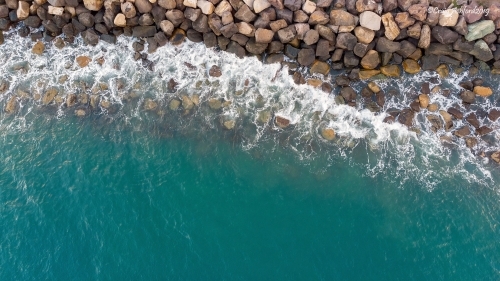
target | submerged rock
[
  {"x": 38, "y": 48},
  {"x": 83, "y": 61},
  {"x": 174, "y": 104},
  {"x": 12, "y": 105},
  {"x": 49, "y": 96},
  {"x": 328, "y": 134},
  {"x": 282, "y": 122}
]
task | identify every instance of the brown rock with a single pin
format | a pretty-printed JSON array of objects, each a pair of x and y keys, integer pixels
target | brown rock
[
  {"x": 404, "y": 20},
  {"x": 483, "y": 91},
  {"x": 93, "y": 5},
  {"x": 411, "y": 66},
  {"x": 342, "y": 18},
  {"x": 462, "y": 132},
  {"x": 425, "y": 37},
  {"x": 494, "y": 114},
  {"x": 306, "y": 57},
  {"x": 282, "y": 122},
  {"x": 215, "y": 71},
  {"x": 364, "y": 35},
  {"x": 263, "y": 35},
  {"x": 38, "y": 48},
  {"x": 367, "y": 74},
  {"x": 83, "y": 61},
  {"x": 424, "y": 100},
  {"x": 143, "y": 6},
  {"x": 12, "y": 105},
  {"x": 328, "y": 134},
  {"x": 320, "y": 67},
  {"x": 391, "y": 28},
  {"x": 418, "y": 11},
  {"x": 371, "y": 60},
  {"x": 391, "y": 71}
]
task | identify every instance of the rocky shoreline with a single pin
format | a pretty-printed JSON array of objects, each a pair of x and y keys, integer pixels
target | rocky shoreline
[{"x": 369, "y": 39}]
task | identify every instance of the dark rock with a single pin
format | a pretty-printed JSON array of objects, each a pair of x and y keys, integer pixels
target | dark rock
[
  {"x": 385, "y": 45},
  {"x": 236, "y": 49},
  {"x": 350, "y": 59},
  {"x": 108, "y": 38},
  {"x": 87, "y": 19},
  {"x": 275, "y": 47},
  {"x": 342, "y": 81},
  {"x": 210, "y": 39},
  {"x": 405, "y": 117},
  {"x": 360, "y": 49},
  {"x": 175, "y": 16},
  {"x": 215, "y": 71},
  {"x": 229, "y": 30},
  {"x": 33, "y": 21},
  {"x": 293, "y": 5},
  {"x": 101, "y": 28},
  {"x": 194, "y": 36},
  {"x": 415, "y": 106},
  {"x": 472, "y": 119},
  {"x": 463, "y": 46},
  {"x": 306, "y": 57},
  {"x": 285, "y": 14},
  {"x": 483, "y": 130},
  {"x": 291, "y": 51},
  {"x": 348, "y": 93},
  {"x": 494, "y": 114},
  {"x": 144, "y": 31},
  {"x": 90, "y": 37},
  {"x": 439, "y": 49},
  {"x": 346, "y": 41},
  {"x": 455, "y": 113},
  {"x": 255, "y": 48},
  {"x": 201, "y": 25},
  {"x": 444, "y": 35},
  {"x": 406, "y": 49}
]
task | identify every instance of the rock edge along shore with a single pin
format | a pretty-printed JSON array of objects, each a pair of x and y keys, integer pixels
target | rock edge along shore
[
  {"x": 322, "y": 34},
  {"x": 367, "y": 37}
]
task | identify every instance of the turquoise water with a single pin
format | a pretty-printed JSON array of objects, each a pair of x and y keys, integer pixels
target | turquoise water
[
  {"x": 96, "y": 199},
  {"x": 129, "y": 192}
]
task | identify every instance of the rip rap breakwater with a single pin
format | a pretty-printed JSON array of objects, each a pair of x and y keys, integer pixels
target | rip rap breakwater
[{"x": 323, "y": 35}]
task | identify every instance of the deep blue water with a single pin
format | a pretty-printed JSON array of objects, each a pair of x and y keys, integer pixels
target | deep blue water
[{"x": 85, "y": 199}]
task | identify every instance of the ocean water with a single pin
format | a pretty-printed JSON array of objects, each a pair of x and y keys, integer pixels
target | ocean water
[{"x": 126, "y": 193}]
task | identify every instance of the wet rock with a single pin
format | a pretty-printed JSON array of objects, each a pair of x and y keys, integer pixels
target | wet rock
[
  {"x": 443, "y": 71},
  {"x": 391, "y": 71},
  {"x": 83, "y": 61},
  {"x": 178, "y": 37},
  {"x": 150, "y": 105},
  {"x": 320, "y": 67},
  {"x": 38, "y": 48},
  {"x": 411, "y": 66},
  {"x": 12, "y": 105},
  {"x": 483, "y": 91},
  {"x": 71, "y": 100},
  {"x": 328, "y": 134},
  {"x": 342, "y": 81},
  {"x": 405, "y": 117},
  {"x": 187, "y": 103},
  {"x": 174, "y": 104},
  {"x": 436, "y": 123},
  {"x": 373, "y": 87},
  {"x": 495, "y": 156},
  {"x": 282, "y": 122},
  {"x": 215, "y": 71},
  {"x": 367, "y": 74},
  {"x": 462, "y": 132},
  {"x": 348, "y": 93},
  {"x": 472, "y": 119},
  {"x": 468, "y": 96},
  {"x": 80, "y": 112},
  {"x": 49, "y": 95},
  {"x": 424, "y": 100},
  {"x": 483, "y": 130},
  {"x": 456, "y": 113},
  {"x": 447, "y": 119},
  {"x": 494, "y": 114}
]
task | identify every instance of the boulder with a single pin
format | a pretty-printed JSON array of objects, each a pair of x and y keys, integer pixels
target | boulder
[
  {"x": 364, "y": 35},
  {"x": 371, "y": 60},
  {"x": 38, "y": 48},
  {"x": 468, "y": 96},
  {"x": 279, "y": 24},
  {"x": 287, "y": 34},
  {"x": 144, "y": 31},
  {"x": 448, "y": 17},
  {"x": 311, "y": 37},
  {"x": 178, "y": 37},
  {"x": 495, "y": 156},
  {"x": 425, "y": 37},
  {"x": 309, "y": 7},
  {"x": 128, "y": 9},
  {"x": 320, "y": 67},
  {"x": 348, "y": 93},
  {"x": 341, "y": 18},
  {"x": 263, "y": 35},
  {"x": 455, "y": 113},
  {"x": 444, "y": 35},
  {"x": 405, "y": 117},
  {"x": 424, "y": 100},
  {"x": 370, "y": 20},
  {"x": 483, "y": 91},
  {"x": 318, "y": 17},
  {"x": 387, "y": 46},
  {"x": 23, "y": 10},
  {"x": 418, "y": 11},
  {"x": 12, "y": 105},
  {"x": 83, "y": 61},
  {"x": 93, "y": 5},
  {"x": 404, "y": 20},
  {"x": 246, "y": 29},
  {"x": 462, "y": 132},
  {"x": 281, "y": 122},
  {"x": 494, "y": 114},
  {"x": 391, "y": 28},
  {"x": 411, "y": 66},
  {"x": 167, "y": 27},
  {"x": 479, "y": 30},
  {"x": 329, "y": 134},
  {"x": 481, "y": 51},
  {"x": 255, "y": 48},
  {"x": 143, "y": 6},
  {"x": 346, "y": 41},
  {"x": 448, "y": 122},
  {"x": 391, "y": 71},
  {"x": 306, "y": 57},
  {"x": 261, "y": 5},
  {"x": 206, "y": 7},
  {"x": 293, "y": 5},
  {"x": 245, "y": 14},
  {"x": 167, "y": 4}
]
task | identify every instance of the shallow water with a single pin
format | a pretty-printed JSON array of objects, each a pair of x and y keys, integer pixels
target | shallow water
[{"x": 126, "y": 193}]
